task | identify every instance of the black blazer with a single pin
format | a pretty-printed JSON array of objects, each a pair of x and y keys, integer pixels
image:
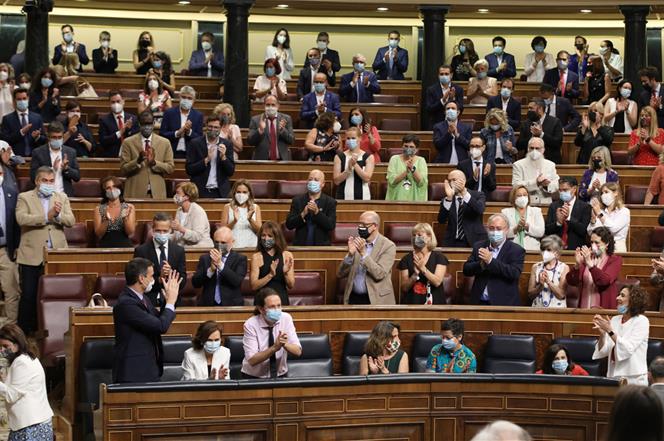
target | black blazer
[
  {"x": 11, "y": 133},
  {"x": 230, "y": 279},
  {"x": 12, "y": 228},
  {"x": 567, "y": 114},
  {"x": 41, "y": 156},
  {"x": 435, "y": 108},
  {"x": 330, "y": 54},
  {"x": 644, "y": 100},
  {"x": 81, "y": 129},
  {"x": 50, "y": 111},
  {"x": 304, "y": 80},
  {"x": 488, "y": 181},
  {"x": 577, "y": 226},
  {"x": 473, "y": 225},
  {"x": 139, "y": 352},
  {"x": 108, "y": 140},
  {"x": 442, "y": 140},
  {"x": 177, "y": 261},
  {"x": 104, "y": 66},
  {"x": 501, "y": 276},
  {"x": 199, "y": 172},
  {"x": 552, "y": 136},
  {"x": 324, "y": 222},
  {"x": 513, "y": 109},
  {"x": 552, "y": 77}
]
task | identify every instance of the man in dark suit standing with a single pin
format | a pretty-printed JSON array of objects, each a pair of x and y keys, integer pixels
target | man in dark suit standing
[
  {"x": 220, "y": 272},
  {"x": 166, "y": 256},
  {"x": 210, "y": 162},
  {"x": 359, "y": 85},
  {"x": 306, "y": 79},
  {"x": 9, "y": 240},
  {"x": 505, "y": 101},
  {"x": 568, "y": 217},
  {"x": 58, "y": 156},
  {"x": 480, "y": 174},
  {"x": 183, "y": 123},
  {"x": 68, "y": 45},
  {"x": 462, "y": 210},
  {"x": 560, "y": 107},
  {"x": 653, "y": 92},
  {"x": 438, "y": 95},
  {"x": 22, "y": 129},
  {"x": 496, "y": 265},
  {"x": 539, "y": 124},
  {"x": 451, "y": 136},
  {"x": 564, "y": 81},
  {"x": 271, "y": 132},
  {"x": 331, "y": 60},
  {"x": 139, "y": 351},
  {"x": 318, "y": 102},
  {"x": 391, "y": 61},
  {"x": 116, "y": 126},
  {"x": 206, "y": 62},
  {"x": 313, "y": 215},
  {"x": 501, "y": 64}
]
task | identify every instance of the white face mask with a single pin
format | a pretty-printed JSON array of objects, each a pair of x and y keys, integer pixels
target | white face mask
[
  {"x": 241, "y": 198},
  {"x": 105, "y": 44},
  {"x": 547, "y": 256},
  {"x": 608, "y": 199},
  {"x": 153, "y": 84},
  {"x": 476, "y": 153},
  {"x": 3, "y": 76},
  {"x": 337, "y": 127},
  {"x": 521, "y": 201},
  {"x": 535, "y": 155},
  {"x": 117, "y": 107}
]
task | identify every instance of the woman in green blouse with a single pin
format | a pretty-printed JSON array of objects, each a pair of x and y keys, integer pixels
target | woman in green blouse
[{"x": 407, "y": 178}]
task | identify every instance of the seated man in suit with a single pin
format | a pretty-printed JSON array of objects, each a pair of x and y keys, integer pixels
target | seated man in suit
[
  {"x": 391, "y": 61},
  {"x": 9, "y": 240},
  {"x": 480, "y": 175},
  {"x": 183, "y": 123},
  {"x": 115, "y": 126},
  {"x": 210, "y": 162},
  {"x": 536, "y": 173},
  {"x": 360, "y": 85},
  {"x": 564, "y": 81},
  {"x": 331, "y": 60},
  {"x": 166, "y": 256},
  {"x": 451, "y": 136},
  {"x": 22, "y": 129},
  {"x": 560, "y": 107},
  {"x": 501, "y": 64},
  {"x": 653, "y": 93},
  {"x": 138, "y": 356},
  {"x": 656, "y": 370},
  {"x": 318, "y": 102},
  {"x": 540, "y": 125},
  {"x": 271, "y": 132},
  {"x": 42, "y": 214},
  {"x": 207, "y": 62},
  {"x": 496, "y": 265},
  {"x": 313, "y": 215},
  {"x": 59, "y": 157},
  {"x": 462, "y": 210},
  {"x": 220, "y": 272},
  {"x": 68, "y": 45},
  {"x": 306, "y": 80},
  {"x": 367, "y": 267},
  {"x": 438, "y": 95},
  {"x": 145, "y": 159},
  {"x": 505, "y": 101},
  {"x": 569, "y": 216}
]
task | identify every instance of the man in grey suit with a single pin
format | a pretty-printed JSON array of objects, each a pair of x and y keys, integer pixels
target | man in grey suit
[
  {"x": 271, "y": 132},
  {"x": 657, "y": 376}
]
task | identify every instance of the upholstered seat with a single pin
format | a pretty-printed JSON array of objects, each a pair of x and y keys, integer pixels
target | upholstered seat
[
  {"x": 510, "y": 354},
  {"x": 581, "y": 351},
  {"x": 316, "y": 359},
  {"x": 353, "y": 350},
  {"x": 420, "y": 350}
]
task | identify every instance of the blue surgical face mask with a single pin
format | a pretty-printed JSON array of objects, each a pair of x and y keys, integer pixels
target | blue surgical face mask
[
  {"x": 451, "y": 114},
  {"x": 496, "y": 237},
  {"x": 273, "y": 315},
  {"x": 156, "y": 64},
  {"x": 359, "y": 67},
  {"x": 481, "y": 75},
  {"x": 212, "y": 346},
  {"x": 560, "y": 366},
  {"x": 462, "y": 49},
  {"x": 625, "y": 93},
  {"x": 498, "y": 50},
  {"x": 444, "y": 79},
  {"x": 622, "y": 309},
  {"x": 393, "y": 42},
  {"x": 22, "y": 105},
  {"x": 56, "y": 144},
  {"x": 539, "y": 49},
  {"x": 186, "y": 104},
  {"x": 356, "y": 120},
  {"x": 46, "y": 82},
  {"x": 565, "y": 196},
  {"x": 161, "y": 238},
  {"x": 351, "y": 143},
  {"x": 313, "y": 186},
  {"x": 319, "y": 87},
  {"x": 46, "y": 189},
  {"x": 449, "y": 344},
  {"x": 270, "y": 71},
  {"x": 505, "y": 92}
]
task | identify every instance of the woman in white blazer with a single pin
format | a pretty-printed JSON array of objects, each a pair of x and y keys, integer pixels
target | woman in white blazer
[
  {"x": 206, "y": 359},
  {"x": 24, "y": 389},
  {"x": 624, "y": 337},
  {"x": 191, "y": 226},
  {"x": 526, "y": 222}
]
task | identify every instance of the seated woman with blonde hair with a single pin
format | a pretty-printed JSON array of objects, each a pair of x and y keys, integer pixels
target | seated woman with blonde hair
[
  {"x": 191, "y": 226},
  {"x": 599, "y": 172}
]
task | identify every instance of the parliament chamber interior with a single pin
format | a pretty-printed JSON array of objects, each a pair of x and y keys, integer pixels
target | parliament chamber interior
[{"x": 331, "y": 220}]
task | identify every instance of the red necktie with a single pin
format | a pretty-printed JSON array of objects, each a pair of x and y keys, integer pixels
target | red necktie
[
  {"x": 121, "y": 128},
  {"x": 562, "y": 84},
  {"x": 273, "y": 140},
  {"x": 565, "y": 226}
]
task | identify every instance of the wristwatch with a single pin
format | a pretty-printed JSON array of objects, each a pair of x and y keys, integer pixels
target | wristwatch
[
  {"x": 611, "y": 333},
  {"x": 412, "y": 170}
]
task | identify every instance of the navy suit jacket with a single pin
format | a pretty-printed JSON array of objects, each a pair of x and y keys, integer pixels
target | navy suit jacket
[
  {"x": 229, "y": 280},
  {"x": 508, "y": 72},
  {"x": 350, "y": 93},
  {"x": 199, "y": 172},
  {"x": 552, "y": 134},
  {"x": 513, "y": 109},
  {"x": 82, "y": 55},
  {"x": 308, "y": 111},
  {"x": 41, "y": 156},
  {"x": 332, "y": 56},
  {"x": 644, "y": 100},
  {"x": 304, "y": 80},
  {"x": 108, "y": 140},
  {"x": 11, "y": 228},
  {"x": 81, "y": 129},
  {"x": 382, "y": 68},
  {"x": 104, "y": 66},
  {"x": 567, "y": 114},
  {"x": 442, "y": 140},
  {"x": 473, "y": 225},
  {"x": 172, "y": 122},
  {"x": 488, "y": 181},
  {"x": 552, "y": 77},
  {"x": 176, "y": 259},
  {"x": 435, "y": 106},
  {"x": 139, "y": 351},
  {"x": 198, "y": 67},
  {"x": 11, "y": 133},
  {"x": 500, "y": 276}
]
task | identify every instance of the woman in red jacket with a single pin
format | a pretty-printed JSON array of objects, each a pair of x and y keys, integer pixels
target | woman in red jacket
[
  {"x": 596, "y": 271},
  {"x": 557, "y": 361}
]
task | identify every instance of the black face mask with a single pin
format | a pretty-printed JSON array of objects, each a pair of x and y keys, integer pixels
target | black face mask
[
  {"x": 647, "y": 87},
  {"x": 363, "y": 232},
  {"x": 533, "y": 116},
  {"x": 597, "y": 164},
  {"x": 592, "y": 117},
  {"x": 145, "y": 43},
  {"x": 580, "y": 46}
]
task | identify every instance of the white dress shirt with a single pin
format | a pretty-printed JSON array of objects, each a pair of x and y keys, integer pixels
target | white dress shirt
[
  {"x": 617, "y": 221},
  {"x": 628, "y": 354},
  {"x": 55, "y": 155},
  {"x": 536, "y": 74},
  {"x": 212, "y": 183},
  {"x": 181, "y": 147}
]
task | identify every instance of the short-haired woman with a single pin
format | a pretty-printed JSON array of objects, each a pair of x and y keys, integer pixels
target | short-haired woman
[
  {"x": 114, "y": 219},
  {"x": 481, "y": 87},
  {"x": 229, "y": 129},
  {"x": 381, "y": 353},
  {"x": 207, "y": 359},
  {"x": 407, "y": 173},
  {"x": 593, "y": 132},
  {"x": 191, "y": 226},
  {"x": 526, "y": 222},
  {"x": 499, "y": 138},
  {"x": 24, "y": 389},
  {"x": 624, "y": 338},
  {"x": 609, "y": 211},
  {"x": 557, "y": 361},
  {"x": 369, "y": 135},
  {"x": 272, "y": 266},
  {"x": 270, "y": 83},
  {"x": 599, "y": 172},
  {"x": 452, "y": 356},
  {"x": 548, "y": 279},
  {"x": 242, "y": 215},
  {"x": 423, "y": 269}
]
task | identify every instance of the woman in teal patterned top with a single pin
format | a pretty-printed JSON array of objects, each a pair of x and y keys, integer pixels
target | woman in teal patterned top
[{"x": 451, "y": 356}]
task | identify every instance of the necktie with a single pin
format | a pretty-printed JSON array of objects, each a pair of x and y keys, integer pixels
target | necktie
[
  {"x": 24, "y": 122},
  {"x": 273, "y": 139},
  {"x": 121, "y": 128},
  {"x": 391, "y": 62},
  {"x": 562, "y": 84},
  {"x": 162, "y": 255},
  {"x": 479, "y": 175},
  {"x": 461, "y": 235},
  {"x": 273, "y": 357},
  {"x": 565, "y": 228},
  {"x": 360, "y": 81},
  {"x": 217, "y": 290},
  {"x": 147, "y": 145},
  {"x": 548, "y": 109}
]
